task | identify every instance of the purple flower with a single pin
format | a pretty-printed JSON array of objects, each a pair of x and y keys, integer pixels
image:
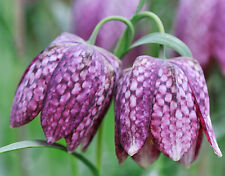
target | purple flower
[
  {"x": 200, "y": 24},
  {"x": 162, "y": 106},
  {"x": 71, "y": 83}
]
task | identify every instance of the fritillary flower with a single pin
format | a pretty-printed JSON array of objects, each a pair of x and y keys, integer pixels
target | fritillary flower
[
  {"x": 162, "y": 106},
  {"x": 71, "y": 83}
]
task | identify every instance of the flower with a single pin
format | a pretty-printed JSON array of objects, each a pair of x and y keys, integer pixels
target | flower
[
  {"x": 162, "y": 106},
  {"x": 71, "y": 83},
  {"x": 200, "y": 24}
]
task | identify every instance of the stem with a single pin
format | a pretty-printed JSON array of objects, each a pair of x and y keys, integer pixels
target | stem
[
  {"x": 150, "y": 15},
  {"x": 94, "y": 34},
  {"x": 86, "y": 162},
  {"x": 74, "y": 166},
  {"x": 134, "y": 20},
  {"x": 140, "y": 5},
  {"x": 156, "y": 19},
  {"x": 99, "y": 148},
  {"x": 41, "y": 144}
]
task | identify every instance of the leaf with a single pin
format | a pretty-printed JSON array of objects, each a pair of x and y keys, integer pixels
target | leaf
[
  {"x": 28, "y": 144},
  {"x": 42, "y": 144},
  {"x": 140, "y": 5},
  {"x": 164, "y": 39}
]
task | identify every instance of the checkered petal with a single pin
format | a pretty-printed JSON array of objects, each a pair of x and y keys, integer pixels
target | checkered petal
[
  {"x": 197, "y": 83},
  {"x": 174, "y": 120},
  {"x": 133, "y": 103},
  {"x": 78, "y": 92},
  {"x": 32, "y": 88}
]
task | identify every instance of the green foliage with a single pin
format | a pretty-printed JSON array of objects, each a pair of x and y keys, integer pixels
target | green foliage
[{"x": 164, "y": 39}]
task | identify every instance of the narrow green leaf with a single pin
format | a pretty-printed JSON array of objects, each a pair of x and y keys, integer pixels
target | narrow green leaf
[
  {"x": 140, "y": 5},
  {"x": 164, "y": 39},
  {"x": 44, "y": 144},
  {"x": 28, "y": 144}
]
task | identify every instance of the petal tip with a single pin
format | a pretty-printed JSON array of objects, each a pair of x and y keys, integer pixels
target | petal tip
[
  {"x": 133, "y": 149},
  {"x": 216, "y": 148},
  {"x": 12, "y": 125},
  {"x": 69, "y": 151},
  {"x": 50, "y": 140},
  {"x": 219, "y": 153},
  {"x": 176, "y": 156}
]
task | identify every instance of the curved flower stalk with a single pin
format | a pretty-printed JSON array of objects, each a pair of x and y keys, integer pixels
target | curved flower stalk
[
  {"x": 162, "y": 106},
  {"x": 200, "y": 24},
  {"x": 98, "y": 10},
  {"x": 71, "y": 83}
]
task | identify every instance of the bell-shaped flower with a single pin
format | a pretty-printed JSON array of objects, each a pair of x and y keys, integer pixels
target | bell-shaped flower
[
  {"x": 162, "y": 106},
  {"x": 71, "y": 83},
  {"x": 200, "y": 24}
]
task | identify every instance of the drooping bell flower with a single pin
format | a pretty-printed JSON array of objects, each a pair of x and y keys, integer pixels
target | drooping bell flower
[
  {"x": 71, "y": 83},
  {"x": 200, "y": 24},
  {"x": 162, "y": 106}
]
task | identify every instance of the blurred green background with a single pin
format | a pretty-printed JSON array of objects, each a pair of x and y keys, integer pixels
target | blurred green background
[{"x": 27, "y": 27}]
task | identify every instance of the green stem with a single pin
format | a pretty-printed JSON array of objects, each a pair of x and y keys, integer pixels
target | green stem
[
  {"x": 99, "y": 148},
  {"x": 151, "y": 15},
  {"x": 136, "y": 18},
  {"x": 74, "y": 166},
  {"x": 140, "y": 5},
  {"x": 94, "y": 34},
  {"x": 41, "y": 144},
  {"x": 156, "y": 19}
]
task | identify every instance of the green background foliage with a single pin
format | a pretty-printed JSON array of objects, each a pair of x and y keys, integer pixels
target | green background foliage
[{"x": 21, "y": 39}]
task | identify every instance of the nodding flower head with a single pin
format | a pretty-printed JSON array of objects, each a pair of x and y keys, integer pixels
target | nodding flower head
[
  {"x": 71, "y": 83},
  {"x": 162, "y": 106},
  {"x": 200, "y": 24}
]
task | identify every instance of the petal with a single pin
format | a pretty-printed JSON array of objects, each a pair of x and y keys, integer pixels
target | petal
[
  {"x": 115, "y": 63},
  {"x": 67, "y": 38},
  {"x": 120, "y": 152},
  {"x": 174, "y": 122},
  {"x": 32, "y": 88},
  {"x": 192, "y": 154},
  {"x": 84, "y": 132},
  {"x": 91, "y": 131},
  {"x": 197, "y": 82},
  {"x": 133, "y": 103},
  {"x": 76, "y": 93},
  {"x": 147, "y": 155}
]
